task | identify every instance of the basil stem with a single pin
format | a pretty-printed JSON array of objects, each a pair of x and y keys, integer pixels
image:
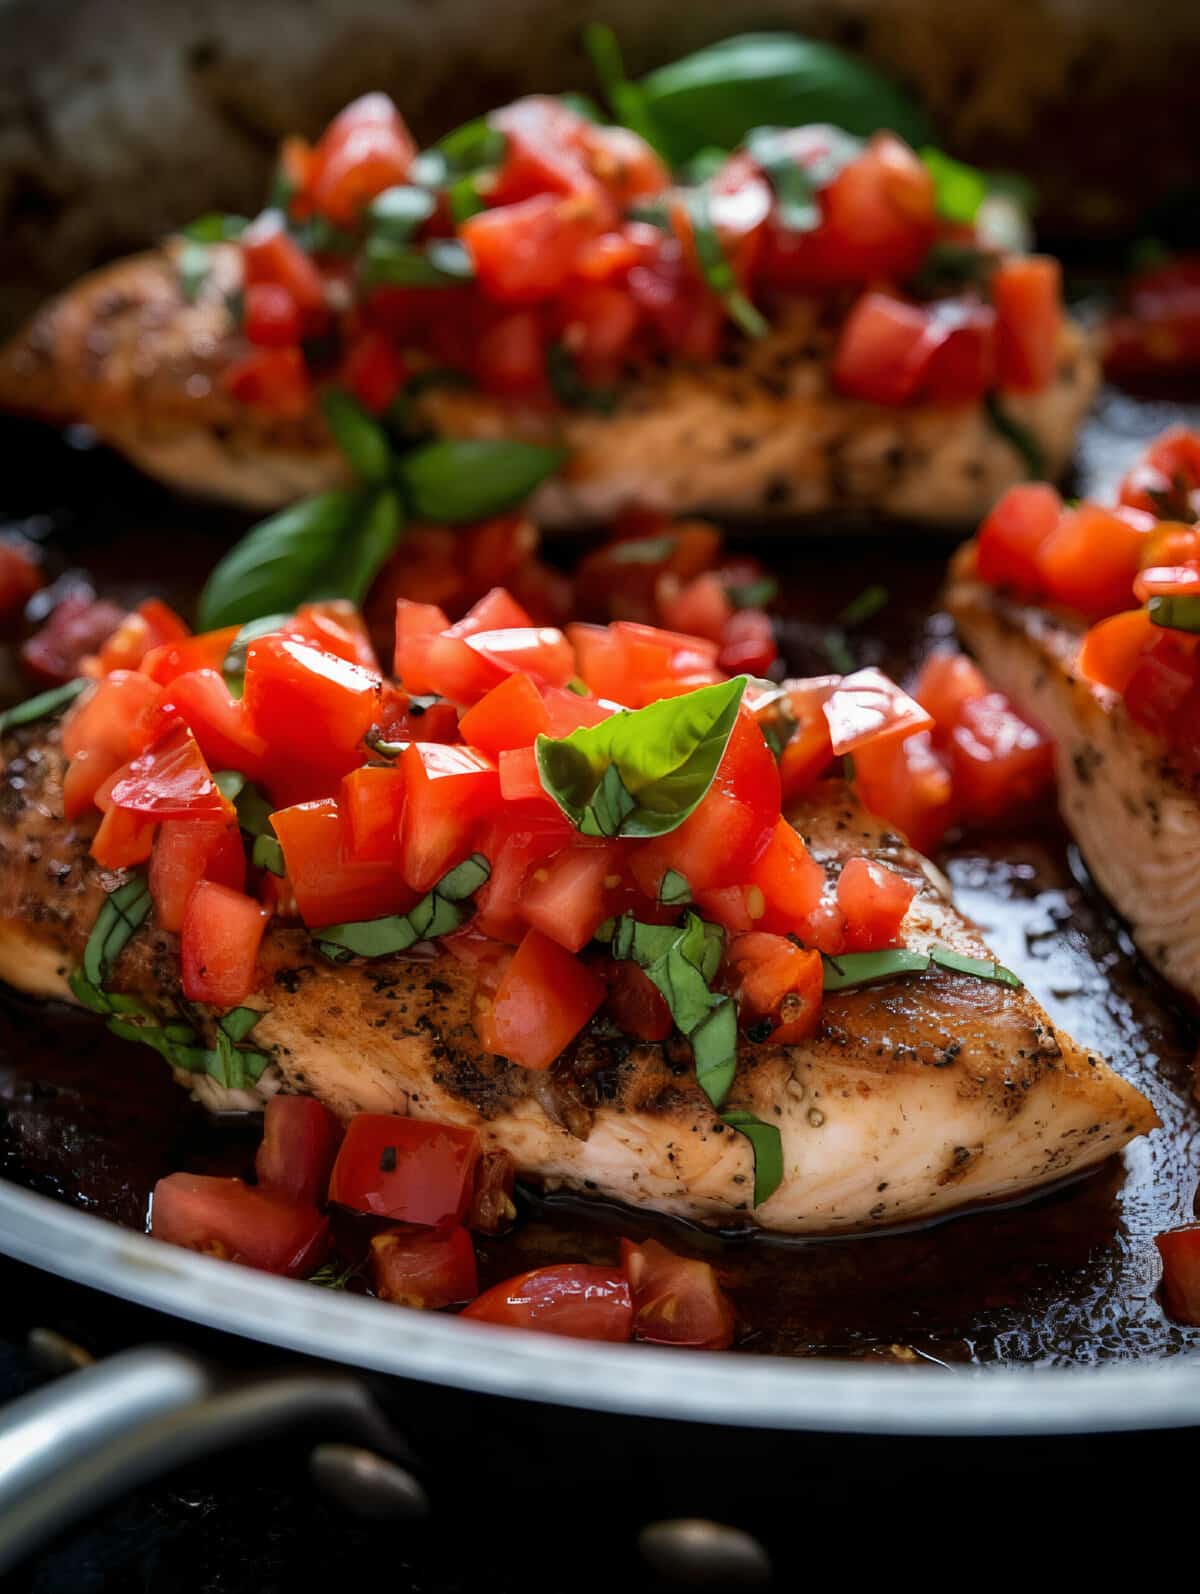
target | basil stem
[
  {"x": 361, "y": 439},
  {"x": 1177, "y": 611},
  {"x": 124, "y": 910},
  {"x": 454, "y": 481},
  {"x": 438, "y": 913},
  {"x": 850, "y": 969},
  {"x": 718, "y": 273},
  {"x": 43, "y": 705},
  {"x": 767, "y": 1145},
  {"x": 865, "y": 607}
]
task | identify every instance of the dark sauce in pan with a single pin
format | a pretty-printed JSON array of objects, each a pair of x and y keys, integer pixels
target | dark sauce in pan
[{"x": 1067, "y": 1277}]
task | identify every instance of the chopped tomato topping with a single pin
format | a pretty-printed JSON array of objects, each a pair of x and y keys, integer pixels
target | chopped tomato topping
[
  {"x": 20, "y": 576},
  {"x": 571, "y": 1298},
  {"x": 1027, "y": 293},
  {"x": 371, "y": 807},
  {"x": 948, "y": 681},
  {"x": 328, "y": 886},
  {"x": 187, "y": 851},
  {"x": 568, "y": 896},
  {"x": 100, "y": 733},
  {"x": 1180, "y": 1253},
  {"x": 636, "y": 1004},
  {"x": 1089, "y": 560},
  {"x": 1112, "y": 648},
  {"x": 525, "y": 252},
  {"x": 169, "y": 780},
  {"x": 219, "y": 942},
  {"x": 541, "y": 1004},
  {"x": 512, "y": 714},
  {"x": 785, "y": 881},
  {"x": 365, "y": 149},
  {"x": 224, "y": 1217},
  {"x": 78, "y": 625},
  {"x": 313, "y": 709},
  {"x": 1166, "y": 480},
  {"x": 676, "y": 1299},
  {"x": 300, "y": 1141},
  {"x": 123, "y": 840},
  {"x": 874, "y": 900},
  {"x": 909, "y": 784},
  {"x": 406, "y": 1169},
  {"x": 424, "y": 1270},
  {"x": 779, "y": 981},
  {"x": 892, "y": 352},
  {"x": 867, "y": 707},
  {"x": 1011, "y": 539},
  {"x": 217, "y": 720},
  {"x": 1001, "y": 763},
  {"x": 449, "y": 791}
]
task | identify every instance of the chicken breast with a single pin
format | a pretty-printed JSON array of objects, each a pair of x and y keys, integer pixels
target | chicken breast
[
  {"x": 1135, "y": 816},
  {"x": 760, "y": 432},
  {"x": 914, "y": 1098}
]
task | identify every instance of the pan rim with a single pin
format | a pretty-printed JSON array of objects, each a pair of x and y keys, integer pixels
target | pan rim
[{"x": 800, "y": 1394}]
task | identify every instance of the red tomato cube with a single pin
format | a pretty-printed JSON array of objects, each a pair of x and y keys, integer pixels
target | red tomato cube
[
  {"x": 424, "y": 1270},
  {"x": 187, "y": 851},
  {"x": 300, "y": 1141},
  {"x": 225, "y": 1218},
  {"x": 874, "y": 900},
  {"x": 406, "y": 1169},
  {"x": 544, "y": 1000},
  {"x": 329, "y": 888},
  {"x": 219, "y": 942},
  {"x": 571, "y": 1298},
  {"x": 449, "y": 792}
]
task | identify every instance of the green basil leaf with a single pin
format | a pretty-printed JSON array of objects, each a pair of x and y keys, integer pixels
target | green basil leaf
[
  {"x": 674, "y": 890},
  {"x": 958, "y": 190},
  {"x": 229, "y": 783},
  {"x": 473, "y": 146},
  {"x": 718, "y": 94},
  {"x": 642, "y": 551},
  {"x": 465, "y": 879},
  {"x": 1021, "y": 438},
  {"x": 465, "y": 199},
  {"x": 453, "y": 481},
  {"x": 437, "y": 264},
  {"x": 266, "y": 853},
  {"x": 438, "y": 913},
  {"x": 753, "y": 594},
  {"x": 376, "y": 534},
  {"x": 234, "y": 666},
  {"x": 568, "y": 387},
  {"x": 980, "y": 968},
  {"x": 717, "y": 271},
  {"x": 1177, "y": 611},
  {"x": 179, "y": 1053},
  {"x": 714, "y": 1046},
  {"x": 850, "y": 969},
  {"x": 215, "y": 227},
  {"x": 796, "y": 186},
  {"x": 865, "y": 607},
  {"x": 193, "y": 263},
  {"x": 253, "y": 811},
  {"x": 642, "y": 771},
  {"x": 360, "y": 437},
  {"x": 767, "y": 1145},
  {"x": 398, "y": 212},
  {"x": 239, "y": 1021},
  {"x": 124, "y": 910},
  {"x": 317, "y": 236},
  {"x": 43, "y": 705},
  {"x": 627, "y": 100}
]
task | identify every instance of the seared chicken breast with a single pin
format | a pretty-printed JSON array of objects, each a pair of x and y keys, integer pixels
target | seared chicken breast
[
  {"x": 761, "y": 432},
  {"x": 914, "y": 1098},
  {"x": 1135, "y": 815}
]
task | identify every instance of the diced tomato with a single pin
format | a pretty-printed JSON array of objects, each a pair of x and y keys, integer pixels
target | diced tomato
[
  {"x": 1166, "y": 581},
  {"x": 701, "y": 608},
  {"x": 728, "y": 907},
  {"x": 521, "y": 835},
  {"x": 636, "y": 1005},
  {"x": 408, "y": 1169},
  {"x": 123, "y": 839},
  {"x": 520, "y": 781},
  {"x": 20, "y": 576},
  {"x": 365, "y": 149},
  {"x": 877, "y": 215},
  {"x": 271, "y": 255},
  {"x": 497, "y": 610},
  {"x": 635, "y": 664},
  {"x": 336, "y": 627},
  {"x": 571, "y": 1298},
  {"x": 598, "y": 322},
  {"x": 891, "y": 351},
  {"x": 1161, "y": 682},
  {"x": 150, "y": 626},
  {"x": 329, "y": 888},
  {"x": 78, "y": 625},
  {"x": 947, "y": 681},
  {"x": 776, "y": 979},
  {"x": 510, "y": 715},
  {"x": 1027, "y": 293},
  {"x": 623, "y": 579},
  {"x": 416, "y": 625},
  {"x": 676, "y": 1299},
  {"x": 169, "y": 780},
  {"x": 788, "y": 879},
  {"x": 550, "y": 147},
  {"x": 748, "y": 645},
  {"x": 100, "y": 733},
  {"x": 169, "y": 660},
  {"x": 374, "y": 371},
  {"x": 1008, "y": 548},
  {"x": 215, "y": 718},
  {"x": 299, "y": 1144},
  {"x": 874, "y": 900},
  {"x": 1089, "y": 560},
  {"x": 510, "y": 355},
  {"x": 1109, "y": 653},
  {"x": 825, "y": 929},
  {"x": 424, "y": 1270},
  {"x": 525, "y": 252},
  {"x": 218, "y": 945},
  {"x": 271, "y": 379},
  {"x": 909, "y": 784},
  {"x": 569, "y": 710},
  {"x": 718, "y": 844},
  {"x": 568, "y": 896},
  {"x": 1180, "y": 1253},
  {"x": 868, "y": 707},
  {"x": 1001, "y": 763},
  {"x": 541, "y": 1004},
  {"x": 226, "y": 1218},
  {"x": 1166, "y": 480},
  {"x": 449, "y": 791},
  {"x": 187, "y": 851},
  {"x": 313, "y": 709},
  {"x": 539, "y": 651},
  {"x": 808, "y": 751},
  {"x": 272, "y": 316},
  {"x": 371, "y": 805},
  {"x": 1156, "y": 334}
]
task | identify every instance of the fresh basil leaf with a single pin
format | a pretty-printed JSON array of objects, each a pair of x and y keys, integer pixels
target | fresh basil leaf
[
  {"x": 568, "y": 387},
  {"x": 215, "y": 227},
  {"x": 124, "y": 910},
  {"x": 981, "y": 968},
  {"x": 376, "y": 534},
  {"x": 318, "y": 236},
  {"x": 167, "y": 1042},
  {"x": 850, "y": 969},
  {"x": 473, "y": 146},
  {"x": 642, "y": 550},
  {"x": 779, "y": 79},
  {"x": 674, "y": 890},
  {"x": 229, "y": 783},
  {"x": 865, "y": 607},
  {"x": 465, "y": 199},
  {"x": 397, "y": 213},
  {"x": 1021, "y": 438},
  {"x": 642, "y": 771},
  {"x": 360, "y": 437},
  {"x": 717, "y": 271},
  {"x": 457, "y": 480},
  {"x": 753, "y": 594},
  {"x": 627, "y": 100},
  {"x": 796, "y": 186},
  {"x": 438, "y": 264},
  {"x": 767, "y": 1144},
  {"x": 234, "y": 666},
  {"x": 239, "y": 1021},
  {"x": 465, "y": 879},
  {"x": 438, "y": 913},
  {"x": 266, "y": 853},
  {"x": 1178, "y": 611},
  {"x": 193, "y": 264},
  {"x": 43, "y": 705},
  {"x": 958, "y": 189},
  {"x": 583, "y": 105},
  {"x": 714, "y": 1047},
  {"x": 253, "y": 811}
]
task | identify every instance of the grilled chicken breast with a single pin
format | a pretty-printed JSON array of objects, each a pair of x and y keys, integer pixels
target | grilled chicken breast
[
  {"x": 764, "y": 431},
  {"x": 1135, "y": 816},
  {"x": 915, "y": 1097}
]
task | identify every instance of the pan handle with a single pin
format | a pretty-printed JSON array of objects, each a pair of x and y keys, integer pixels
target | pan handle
[{"x": 87, "y": 1438}]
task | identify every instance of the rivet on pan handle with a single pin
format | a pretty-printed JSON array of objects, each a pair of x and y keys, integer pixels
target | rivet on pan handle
[{"x": 92, "y": 1435}]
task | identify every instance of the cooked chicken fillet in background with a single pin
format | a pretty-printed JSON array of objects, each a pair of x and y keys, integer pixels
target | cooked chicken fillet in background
[
  {"x": 1135, "y": 817},
  {"x": 126, "y": 353},
  {"x": 915, "y": 1097}
]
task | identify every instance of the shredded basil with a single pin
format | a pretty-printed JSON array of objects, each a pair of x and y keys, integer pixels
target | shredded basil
[
  {"x": 851, "y": 969},
  {"x": 440, "y": 263},
  {"x": 718, "y": 273},
  {"x": 359, "y": 436},
  {"x": 1177, "y": 611},
  {"x": 124, "y": 910},
  {"x": 870, "y": 601},
  {"x": 215, "y": 227},
  {"x": 958, "y": 189},
  {"x": 43, "y": 705},
  {"x": 641, "y": 772},
  {"x": 253, "y": 811},
  {"x": 266, "y": 853},
  {"x": 796, "y": 186},
  {"x": 980, "y": 968},
  {"x": 767, "y": 1145},
  {"x": 229, "y": 783},
  {"x": 438, "y": 913},
  {"x": 1021, "y": 438},
  {"x": 193, "y": 263},
  {"x": 674, "y": 890},
  {"x": 234, "y": 666},
  {"x": 330, "y": 1276},
  {"x": 837, "y": 651},
  {"x": 397, "y": 213},
  {"x": 753, "y": 594}
]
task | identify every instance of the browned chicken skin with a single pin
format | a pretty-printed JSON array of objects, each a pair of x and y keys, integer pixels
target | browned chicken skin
[
  {"x": 760, "y": 431},
  {"x": 915, "y": 1097}
]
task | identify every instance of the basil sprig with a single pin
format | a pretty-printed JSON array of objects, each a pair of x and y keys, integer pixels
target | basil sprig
[
  {"x": 796, "y": 186},
  {"x": 641, "y": 772},
  {"x": 43, "y": 706},
  {"x": 438, "y": 913},
  {"x": 849, "y": 970},
  {"x": 767, "y": 1145},
  {"x": 460, "y": 480},
  {"x": 682, "y": 961},
  {"x": 718, "y": 94}
]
